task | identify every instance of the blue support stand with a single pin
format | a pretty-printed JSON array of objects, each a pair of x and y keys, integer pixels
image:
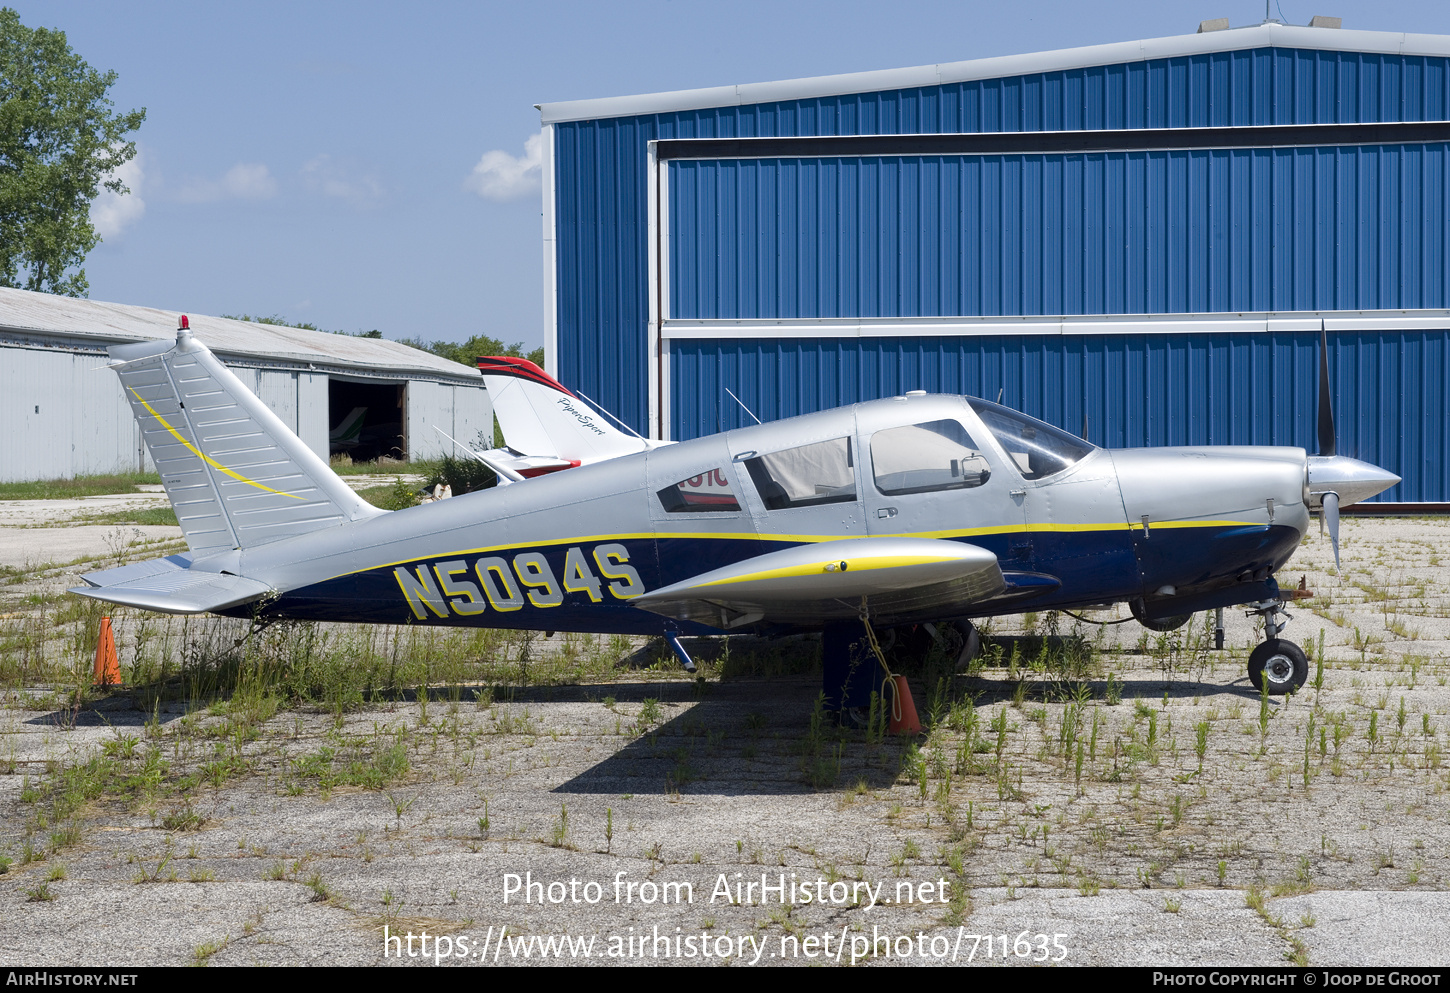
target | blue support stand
[{"x": 673, "y": 637}]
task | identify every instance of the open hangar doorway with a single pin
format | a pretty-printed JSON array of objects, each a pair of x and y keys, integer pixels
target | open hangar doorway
[{"x": 365, "y": 418}]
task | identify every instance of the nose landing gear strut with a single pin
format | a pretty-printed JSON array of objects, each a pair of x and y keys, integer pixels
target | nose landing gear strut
[{"x": 1278, "y": 665}]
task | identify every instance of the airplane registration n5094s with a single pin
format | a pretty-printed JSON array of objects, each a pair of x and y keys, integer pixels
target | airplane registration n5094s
[{"x": 907, "y": 510}]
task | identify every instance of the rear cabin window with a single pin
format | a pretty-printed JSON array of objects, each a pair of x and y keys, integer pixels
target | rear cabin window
[
  {"x": 805, "y": 476},
  {"x": 921, "y": 458},
  {"x": 709, "y": 492}
]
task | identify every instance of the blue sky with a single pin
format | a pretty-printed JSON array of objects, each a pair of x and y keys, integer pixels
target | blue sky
[{"x": 318, "y": 160}]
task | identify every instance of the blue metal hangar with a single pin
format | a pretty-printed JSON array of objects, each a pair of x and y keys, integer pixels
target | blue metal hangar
[{"x": 1136, "y": 242}]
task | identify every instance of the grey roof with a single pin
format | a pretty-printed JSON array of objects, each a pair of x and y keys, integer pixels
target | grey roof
[
  {"x": 99, "y": 324},
  {"x": 1233, "y": 39}
]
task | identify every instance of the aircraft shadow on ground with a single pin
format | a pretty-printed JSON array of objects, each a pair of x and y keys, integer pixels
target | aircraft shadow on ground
[
  {"x": 120, "y": 714},
  {"x": 740, "y": 739},
  {"x": 733, "y": 743},
  {"x": 1095, "y": 692}
]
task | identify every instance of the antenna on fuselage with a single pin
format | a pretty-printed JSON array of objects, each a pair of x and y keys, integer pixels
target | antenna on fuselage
[
  {"x": 1000, "y": 391},
  {"x": 743, "y": 407}
]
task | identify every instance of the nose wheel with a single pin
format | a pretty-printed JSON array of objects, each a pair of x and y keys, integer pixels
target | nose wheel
[{"x": 1278, "y": 665}]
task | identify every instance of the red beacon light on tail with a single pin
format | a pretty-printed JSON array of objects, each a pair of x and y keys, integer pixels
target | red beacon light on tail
[{"x": 184, "y": 324}]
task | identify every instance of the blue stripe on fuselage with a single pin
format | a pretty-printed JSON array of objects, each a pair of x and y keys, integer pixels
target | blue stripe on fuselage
[{"x": 1095, "y": 566}]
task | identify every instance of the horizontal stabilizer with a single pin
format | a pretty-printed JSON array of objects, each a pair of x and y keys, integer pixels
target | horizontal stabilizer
[
  {"x": 175, "y": 591},
  {"x": 900, "y": 579},
  {"x": 139, "y": 570}
]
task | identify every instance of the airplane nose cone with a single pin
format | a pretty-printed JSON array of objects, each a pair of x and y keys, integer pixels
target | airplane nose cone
[{"x": 1352, "y": 479}]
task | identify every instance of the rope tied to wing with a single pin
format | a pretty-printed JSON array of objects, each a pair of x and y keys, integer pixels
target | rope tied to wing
[{"x": 889, "y": 680}]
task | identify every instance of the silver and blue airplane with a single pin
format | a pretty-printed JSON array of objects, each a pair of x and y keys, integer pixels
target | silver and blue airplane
[{"x": 911, "y": 510}]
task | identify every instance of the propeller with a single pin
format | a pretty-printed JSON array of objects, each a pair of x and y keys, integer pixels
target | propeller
[
  {"x": 1326, "y": 403},
  {"x": 1336, "y": 479},
  {"x": 1329, "y": 514},
  {"x": 1329, "y": 502}
]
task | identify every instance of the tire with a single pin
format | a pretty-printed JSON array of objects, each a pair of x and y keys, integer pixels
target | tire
[
  {"x": 959, "y": 642},
  {"x": 1281, "y": 665},
  {"x": 907, "y": 647},
  {"x": 1172, "y": 623}
]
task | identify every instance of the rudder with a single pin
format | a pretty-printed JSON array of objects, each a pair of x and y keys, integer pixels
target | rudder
[{"x": 236, "y": 475}]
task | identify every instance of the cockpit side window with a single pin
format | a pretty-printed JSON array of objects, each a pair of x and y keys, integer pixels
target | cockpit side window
[
  {"x": 1039, "y": 449},
  {"x": 805, "y": 476},
  {"x": 920, "y": 458},
  {"x": 709, "y": 492}
]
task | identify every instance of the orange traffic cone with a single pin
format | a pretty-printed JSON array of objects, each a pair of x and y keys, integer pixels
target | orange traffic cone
[
  {"x": 903, "y": 710},
  {"x": 108, "y": 667}
]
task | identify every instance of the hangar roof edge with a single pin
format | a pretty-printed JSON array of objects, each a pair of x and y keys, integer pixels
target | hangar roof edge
[
  {"x": 1231, "y": 39},
  {"x": 93, "y": 320}
]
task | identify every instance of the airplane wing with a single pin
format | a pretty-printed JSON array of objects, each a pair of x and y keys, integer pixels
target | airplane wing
[{"x": 900, "y": 579}]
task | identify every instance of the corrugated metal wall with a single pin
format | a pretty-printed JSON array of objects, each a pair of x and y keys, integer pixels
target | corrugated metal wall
[
  {"x": 1269, "y": 229},
  {"x": 1390, "y": 390},
  {"x": 429, "y": 404},
  {"x": 472, "y": 417},
  {"x": 81, "y": 424},
  {"x": 312, "y": 412},
  {"x": 298, "y": 398},
  {"x": 463, "y": 412},
  {"x": 87, "y": 426},
  {"x": 602, "y": 255},
  {"x": 1155, "y": 232},
  {"x": 600, "y": 165}
]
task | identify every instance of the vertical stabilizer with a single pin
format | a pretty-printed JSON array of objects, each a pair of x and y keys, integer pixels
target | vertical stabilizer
[
  {"x": 235, "y": 474},
  {"x": 540, "y": 417}
]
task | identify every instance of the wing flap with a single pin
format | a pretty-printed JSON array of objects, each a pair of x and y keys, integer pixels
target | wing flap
[
  {"x": 899, "y": 578},
  {"x": 174, "y": 590}
]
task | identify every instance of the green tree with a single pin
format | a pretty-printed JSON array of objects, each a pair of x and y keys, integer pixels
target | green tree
[
  {"x": 60, "y": 143},
  {"x": 468, "y": 352}
]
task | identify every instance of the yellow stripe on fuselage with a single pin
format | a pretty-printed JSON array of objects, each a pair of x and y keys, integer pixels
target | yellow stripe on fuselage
[
  {"x": 803, "y": 539},
  {"x": 209, "y": 461},
  {"x": 855, "y": 565}
]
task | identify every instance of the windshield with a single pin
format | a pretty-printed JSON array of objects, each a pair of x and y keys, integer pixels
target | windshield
[{"x": 1038, "y": 449}]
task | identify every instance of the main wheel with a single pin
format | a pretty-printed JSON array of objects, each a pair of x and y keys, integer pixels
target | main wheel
[
  {"x": 971, "y": 644},
  {"x": 1280, "y": 665}
]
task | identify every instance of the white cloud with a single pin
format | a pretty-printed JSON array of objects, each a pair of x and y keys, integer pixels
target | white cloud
[
  {"x": 501, "y": 176},
  {"x": 324, "y": 176},
  {"x": 111, "y": 213},
  {"x": 243, "y": 181}
]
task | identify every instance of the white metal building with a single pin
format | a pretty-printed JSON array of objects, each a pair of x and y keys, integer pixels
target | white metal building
[{"x": 62, "y": 412}]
